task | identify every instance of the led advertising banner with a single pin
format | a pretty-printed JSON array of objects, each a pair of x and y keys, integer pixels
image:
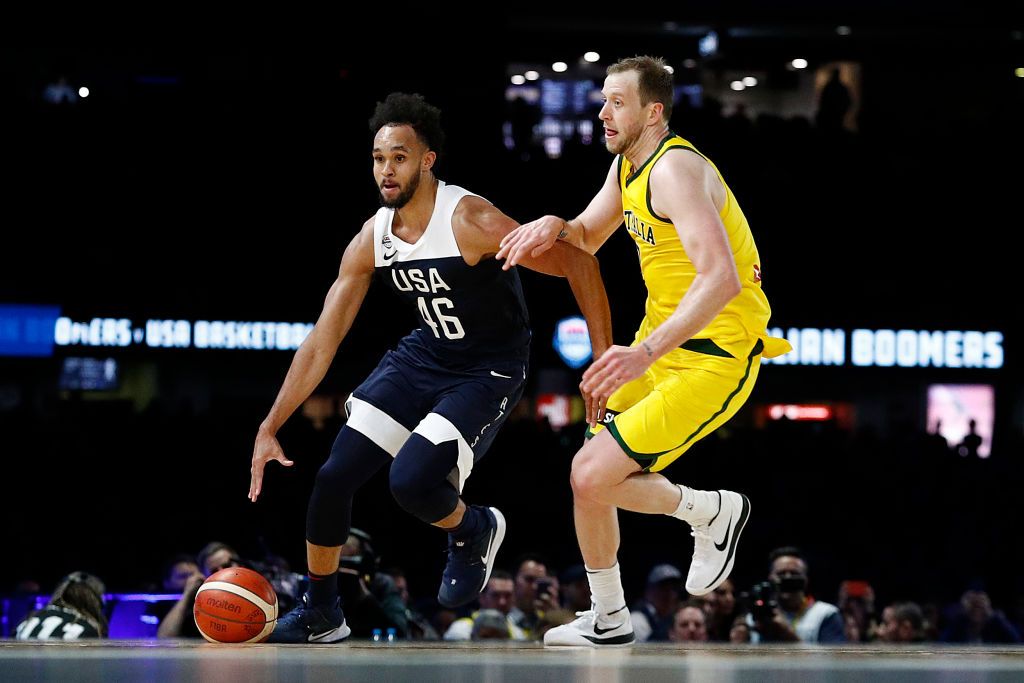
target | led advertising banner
[
  {"x": 891, "y": 348},
  {"x": 27, "y": 330},
  {"x": 180, "y": 334}
]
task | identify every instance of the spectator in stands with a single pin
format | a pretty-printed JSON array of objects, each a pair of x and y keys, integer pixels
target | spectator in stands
[
  {"x": 976, "y": 621},
  {"x": 76, "y": 610},
  {"x": 497, "y": 596},
  {"x": 419, "y": 626},
  {"x": 689, "y": 623},
  {"x": 652, "y": 615},
  {"x": 181, "y": 575},
  {"x": 177, "y": 571},
  {"x": 902, "y": 622},
  {"x": 371, "y": 598},
  {"x": 740, "y": 631},
  {"x": 797, "y": 616},
  {"x": 490, "y": 624},
  {"x": 536, "y": 593},
  {"x": 216, "y": 556},
  {"x": 721, "y": 609},
  {"x": 857, "y": 605}
]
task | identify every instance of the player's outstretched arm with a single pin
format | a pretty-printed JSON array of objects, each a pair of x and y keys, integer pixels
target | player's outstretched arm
[
  {"x": 584, "y": 276},
  {"x": 479, "y": 230},
  {"x": 588, "y": 231},
  {"x": 315, "y": 354}
]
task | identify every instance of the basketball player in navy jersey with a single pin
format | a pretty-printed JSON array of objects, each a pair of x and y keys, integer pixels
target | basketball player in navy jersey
[{"x": 433, "y": 405}]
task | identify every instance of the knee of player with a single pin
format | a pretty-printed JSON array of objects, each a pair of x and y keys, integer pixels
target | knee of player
[
  {"x": 409, "y": 486},
  {"x": 404, "y": 488},
  {"x": 328, "y": 476},
  {"x": 587, "y": 479}
]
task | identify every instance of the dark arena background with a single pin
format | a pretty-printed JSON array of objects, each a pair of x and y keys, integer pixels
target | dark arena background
[{"x": 170, "y": 229}]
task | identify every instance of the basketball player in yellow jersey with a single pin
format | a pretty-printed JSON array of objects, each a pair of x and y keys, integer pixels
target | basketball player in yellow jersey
[{"x": 694, "y": 359}]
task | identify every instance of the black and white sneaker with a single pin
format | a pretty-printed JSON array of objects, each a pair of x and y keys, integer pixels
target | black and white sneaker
[
  {"x": 470, "y": 562},
  {"x": 306, "y": 624},
  {"x": 714, "y": 544},
  {"x": 592, "y": 630}
]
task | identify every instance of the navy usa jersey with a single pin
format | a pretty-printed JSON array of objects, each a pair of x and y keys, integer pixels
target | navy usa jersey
[{"x": 469, "y": 315}]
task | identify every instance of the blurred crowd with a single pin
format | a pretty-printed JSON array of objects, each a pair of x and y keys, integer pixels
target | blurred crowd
[{"x": 530, "y": 596}]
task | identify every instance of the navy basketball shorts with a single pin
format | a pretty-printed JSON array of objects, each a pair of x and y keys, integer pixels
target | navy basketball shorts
[{"x": 404, "y": 395}]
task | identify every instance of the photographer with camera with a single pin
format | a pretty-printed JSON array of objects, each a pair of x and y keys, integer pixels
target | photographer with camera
[
  {"x": 371, "y": 599},
  {"x": 536, "y": 595},
  {"x": 780, "y": 609}
]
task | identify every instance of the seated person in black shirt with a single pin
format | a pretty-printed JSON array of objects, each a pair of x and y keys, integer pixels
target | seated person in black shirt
[{"x": 75, "y": 611}]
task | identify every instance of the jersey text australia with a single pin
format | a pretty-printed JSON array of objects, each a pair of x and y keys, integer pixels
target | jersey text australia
[{"x": 668, "y": 272}]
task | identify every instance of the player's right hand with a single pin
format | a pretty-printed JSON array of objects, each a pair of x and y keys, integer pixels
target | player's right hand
[
  {"x": 617, "y": 366},
  {"x": 266, "y": 449},
  {"x": 594, "y": 406},
  {"x": 529, "y": 239}
]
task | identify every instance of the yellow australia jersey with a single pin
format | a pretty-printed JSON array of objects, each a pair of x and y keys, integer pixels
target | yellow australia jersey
[{"x": 668, "y": 271}]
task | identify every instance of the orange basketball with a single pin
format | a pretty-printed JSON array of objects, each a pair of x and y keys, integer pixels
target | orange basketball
[{"x": 236, "y": 605}]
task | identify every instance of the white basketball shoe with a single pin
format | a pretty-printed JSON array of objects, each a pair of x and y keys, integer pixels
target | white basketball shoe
[
  {"x": 593, "y": 630},
  {"x": 714, "y": 544}
]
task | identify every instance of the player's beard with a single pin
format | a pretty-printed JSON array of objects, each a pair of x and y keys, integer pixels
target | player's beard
[
  {"x": 623, "y": 141},
  {"x": 403, "y": 197}
]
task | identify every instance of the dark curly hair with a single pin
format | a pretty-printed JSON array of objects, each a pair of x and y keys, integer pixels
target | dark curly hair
[{"x": 412, "y": 110}]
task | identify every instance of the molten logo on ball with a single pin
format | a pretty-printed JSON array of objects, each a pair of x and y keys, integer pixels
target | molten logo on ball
[
  {"x": 212, "y": 603},
  {"x": 236, "y": 605}
]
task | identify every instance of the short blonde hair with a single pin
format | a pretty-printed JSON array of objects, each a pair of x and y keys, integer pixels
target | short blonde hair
[{"x": 653, "y": 78}]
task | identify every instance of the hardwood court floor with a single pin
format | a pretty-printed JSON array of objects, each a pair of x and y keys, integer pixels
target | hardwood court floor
[{"x": 422, "y": 662}]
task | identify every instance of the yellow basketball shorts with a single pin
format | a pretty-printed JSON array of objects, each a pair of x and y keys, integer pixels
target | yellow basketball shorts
[{"x": 680, "y": 399}]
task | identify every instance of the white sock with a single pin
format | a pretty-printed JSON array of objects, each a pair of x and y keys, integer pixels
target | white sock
[
  {"x": 606, "y": 590},
  {"x": 696, "y": 506}
]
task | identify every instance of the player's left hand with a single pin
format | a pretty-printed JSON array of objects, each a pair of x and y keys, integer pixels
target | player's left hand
[
  {"x": 529, "y": 240},
  {"x": 616, "y": 367}
]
